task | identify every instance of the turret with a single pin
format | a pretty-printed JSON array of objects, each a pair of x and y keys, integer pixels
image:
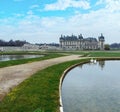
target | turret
[
  {"x": 101, "y": 42},
  {"x": 61, "y": 41},
  {"x": 80, "y": 36}
]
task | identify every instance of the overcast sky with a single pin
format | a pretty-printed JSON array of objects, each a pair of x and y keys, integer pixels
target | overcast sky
[{"x": 43, "y": 21}]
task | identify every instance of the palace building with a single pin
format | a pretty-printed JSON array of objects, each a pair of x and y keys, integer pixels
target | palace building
[{"x": 79, "y": 43}]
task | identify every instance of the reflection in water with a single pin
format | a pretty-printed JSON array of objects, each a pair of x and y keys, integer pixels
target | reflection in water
[
  {"x": 17, "y": 57},
  {"x": 80, "y": 66},
  {"x": 92, "y": 89},
  {"x": 102, "y": 64}
]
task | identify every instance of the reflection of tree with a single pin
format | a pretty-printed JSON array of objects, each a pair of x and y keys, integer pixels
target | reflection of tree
[{"x": 102, "y": 63}]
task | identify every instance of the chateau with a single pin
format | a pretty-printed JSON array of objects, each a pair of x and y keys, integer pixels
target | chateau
[{"x": 79, "y": 43}]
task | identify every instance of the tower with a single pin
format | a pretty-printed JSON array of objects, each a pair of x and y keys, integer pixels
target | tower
[
  {"x": 101, "y": 42},
  {"x": 61, "y": 41}
]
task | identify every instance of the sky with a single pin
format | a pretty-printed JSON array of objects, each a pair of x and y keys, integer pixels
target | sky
[{"x": 43, "y": 21}]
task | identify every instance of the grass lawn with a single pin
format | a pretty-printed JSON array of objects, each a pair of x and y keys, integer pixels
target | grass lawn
[
  {"x": 94, "y": 53},
  {"x": 39, "y": 93},
  {"x": 104, "y": 54}
]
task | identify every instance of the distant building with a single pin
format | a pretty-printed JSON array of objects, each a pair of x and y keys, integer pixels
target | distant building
[
  {"x": 79, "y": 43},
  {"x": 30, "y": 46}
]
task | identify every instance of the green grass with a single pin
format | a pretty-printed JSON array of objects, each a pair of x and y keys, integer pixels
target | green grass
[
  {"x": 23, "y": 61},
  {"x": 38, "y": 93},
  {"x": 96, "y": 53},
  {"x": 104, "y": 54},
  {"x": 19, "y": 52}
]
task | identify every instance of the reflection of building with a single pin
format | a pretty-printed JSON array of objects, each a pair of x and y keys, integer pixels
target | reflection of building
[
  {"x": 79, "y": 43},
  {"x": 102, "y": 63},
  {"x": 80, "y": 66}
]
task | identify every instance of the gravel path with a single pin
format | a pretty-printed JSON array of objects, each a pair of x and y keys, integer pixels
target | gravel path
[{"x": 14, "y": 75}]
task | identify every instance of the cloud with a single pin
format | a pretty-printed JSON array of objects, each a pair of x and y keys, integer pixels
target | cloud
[
  {"x": 30, "y": 12},
  {"x": 18, "y": 15},
  {"x": 64, "y": 4},
  {"x": 111, "y": 5},
  {"x": 35, "y": 28},
  {"x": 34, "y": 6},
  {"x": 48, "y": 29}
]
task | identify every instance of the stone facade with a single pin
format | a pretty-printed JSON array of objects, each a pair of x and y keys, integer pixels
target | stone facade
[{"x": 79, "y": 43}]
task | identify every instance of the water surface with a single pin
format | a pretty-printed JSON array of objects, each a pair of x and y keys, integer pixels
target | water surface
[
  {"x": 17, "y": 57},
  {"x": 92, "y": 88}
]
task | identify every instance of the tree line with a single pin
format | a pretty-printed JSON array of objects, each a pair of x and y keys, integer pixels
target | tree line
[
  {"x": 17, "y": 43},
  {"x": 112, "y": 46},
  {"x": 115, "y": 46}
]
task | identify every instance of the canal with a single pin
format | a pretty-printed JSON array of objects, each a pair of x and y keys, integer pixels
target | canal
[
  {"x": 92, "y": 88},
  {"x": 17, "y": 57}
]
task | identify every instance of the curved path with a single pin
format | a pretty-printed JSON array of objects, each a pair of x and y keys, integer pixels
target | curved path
[{"x": 14, "y": 75}]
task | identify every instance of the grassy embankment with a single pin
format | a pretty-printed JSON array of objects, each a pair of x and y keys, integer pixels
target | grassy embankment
[{"x": 40, "y": 93}]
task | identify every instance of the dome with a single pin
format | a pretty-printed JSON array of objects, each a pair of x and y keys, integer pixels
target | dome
[{"x": 101, "y": 37}]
